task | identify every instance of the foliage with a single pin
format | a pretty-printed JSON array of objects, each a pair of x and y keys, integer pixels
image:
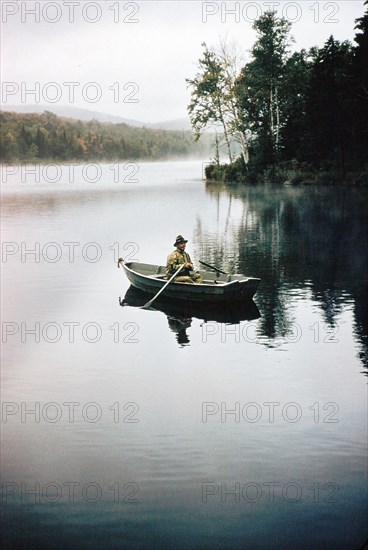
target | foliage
[
  {"x": 307, "y": 111},
  {"x": 260, "y": 84},
  {"x": 233, "y": 172},
  {"x": 214, "y": 99},
  {"x": 210, "y": 93},
  {"x": 31, "y": 137}
]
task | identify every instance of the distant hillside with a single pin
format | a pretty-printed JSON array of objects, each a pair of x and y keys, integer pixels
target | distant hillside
[
  {"x": 177, "y": 124},
  {"x": 85, "y": 114},
  {"x": 46, "y": 136}
]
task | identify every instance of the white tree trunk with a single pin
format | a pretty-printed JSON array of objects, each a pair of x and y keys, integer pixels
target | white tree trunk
[
  {"x": 226, "y": 136},
  {"x": 271, "y": 113},
  {"x": 228, "y": 144},
  {"x": 277, "y": 120},
  {"x": 244, "y": 147}
]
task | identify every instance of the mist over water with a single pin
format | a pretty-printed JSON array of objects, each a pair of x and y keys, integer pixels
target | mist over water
[{"x": 143, "y": 429}]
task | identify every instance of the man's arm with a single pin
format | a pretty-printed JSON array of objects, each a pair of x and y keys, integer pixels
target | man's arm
[
  {"x": 174, "y": 260},
  {"x": 172, "y": 264},
  {"x": 189, "y": 261}
]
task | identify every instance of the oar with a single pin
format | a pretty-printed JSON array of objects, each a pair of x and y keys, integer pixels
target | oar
[
  {"x": 214, "y": 268},
  {"x": 148, "y": 304}
]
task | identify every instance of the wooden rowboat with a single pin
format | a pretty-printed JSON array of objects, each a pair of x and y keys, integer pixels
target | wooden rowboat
[{"x": 216, "y": 288}]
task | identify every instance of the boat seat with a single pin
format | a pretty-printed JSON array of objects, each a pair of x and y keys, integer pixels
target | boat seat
[{"x": 156, "y": 276}]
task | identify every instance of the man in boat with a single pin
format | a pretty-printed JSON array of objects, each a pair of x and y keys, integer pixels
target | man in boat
[{"x": 179, "y": 256}]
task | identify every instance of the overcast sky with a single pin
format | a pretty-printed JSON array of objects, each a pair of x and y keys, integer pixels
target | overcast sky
[{"x": 154, "y": 45}]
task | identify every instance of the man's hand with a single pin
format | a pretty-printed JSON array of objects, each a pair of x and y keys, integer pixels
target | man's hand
[{"x": 188, "y": 265}]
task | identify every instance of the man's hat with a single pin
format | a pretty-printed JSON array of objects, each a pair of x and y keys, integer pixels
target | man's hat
[{"x": 179, "y": 239}]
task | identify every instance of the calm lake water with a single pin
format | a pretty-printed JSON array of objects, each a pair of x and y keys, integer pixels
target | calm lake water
[{"x": 127, "y": 428}]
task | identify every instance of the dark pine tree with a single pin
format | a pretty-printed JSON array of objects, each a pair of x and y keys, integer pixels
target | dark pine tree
[
  {"x": 329, "y": 127},
  {"x": 360, "y": 79}
]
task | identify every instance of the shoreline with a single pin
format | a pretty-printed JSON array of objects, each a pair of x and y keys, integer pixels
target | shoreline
[{"x": 285, "y": 175}]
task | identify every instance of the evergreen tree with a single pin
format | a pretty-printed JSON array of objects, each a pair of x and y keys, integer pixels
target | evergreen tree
[
  {"x": 328, "y": 112},
  {"x": 360, "y": 76},
  {"x": 293, "y": 133}
]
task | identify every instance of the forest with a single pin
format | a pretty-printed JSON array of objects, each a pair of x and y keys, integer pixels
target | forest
[
  {"x": 31, "y": 137},
  {"x": 289, "y": 117}
]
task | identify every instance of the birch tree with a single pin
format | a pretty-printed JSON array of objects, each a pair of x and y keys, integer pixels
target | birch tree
[
  {"x": 206, "y": 107},
  {"x": 232, "y": 60},
  {"x": 260, "y": 85}
]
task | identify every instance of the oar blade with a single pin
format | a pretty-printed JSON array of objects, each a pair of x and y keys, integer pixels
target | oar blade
[{"x": 147, "y": 305}]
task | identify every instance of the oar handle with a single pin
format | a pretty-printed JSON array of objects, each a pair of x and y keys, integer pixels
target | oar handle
[{"x": 214, "y": 268}]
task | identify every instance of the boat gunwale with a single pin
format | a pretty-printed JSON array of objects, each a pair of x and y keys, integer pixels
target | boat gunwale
[{"x": 219, "y": 284}]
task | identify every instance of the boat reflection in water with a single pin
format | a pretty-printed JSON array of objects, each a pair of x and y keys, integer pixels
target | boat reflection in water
[{"x": 180, "y": 313}]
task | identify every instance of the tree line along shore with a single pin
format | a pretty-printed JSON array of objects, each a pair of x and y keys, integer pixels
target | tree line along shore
[{"x": 34, "y": 137}]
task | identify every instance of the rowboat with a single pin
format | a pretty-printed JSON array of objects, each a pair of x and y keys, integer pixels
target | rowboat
[
  {"x": 228, "y": 312},
  {"x": 216, "y": 287}
]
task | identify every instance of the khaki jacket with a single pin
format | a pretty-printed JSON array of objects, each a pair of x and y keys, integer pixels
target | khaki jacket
[{"x": 174, "y": 260}]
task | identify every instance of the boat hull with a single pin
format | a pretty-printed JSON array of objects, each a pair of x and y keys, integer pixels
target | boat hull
[{"x": 215, "y": 291}]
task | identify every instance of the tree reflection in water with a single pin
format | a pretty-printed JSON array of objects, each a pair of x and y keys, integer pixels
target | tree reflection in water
[{"x": 297, "y": 240}]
